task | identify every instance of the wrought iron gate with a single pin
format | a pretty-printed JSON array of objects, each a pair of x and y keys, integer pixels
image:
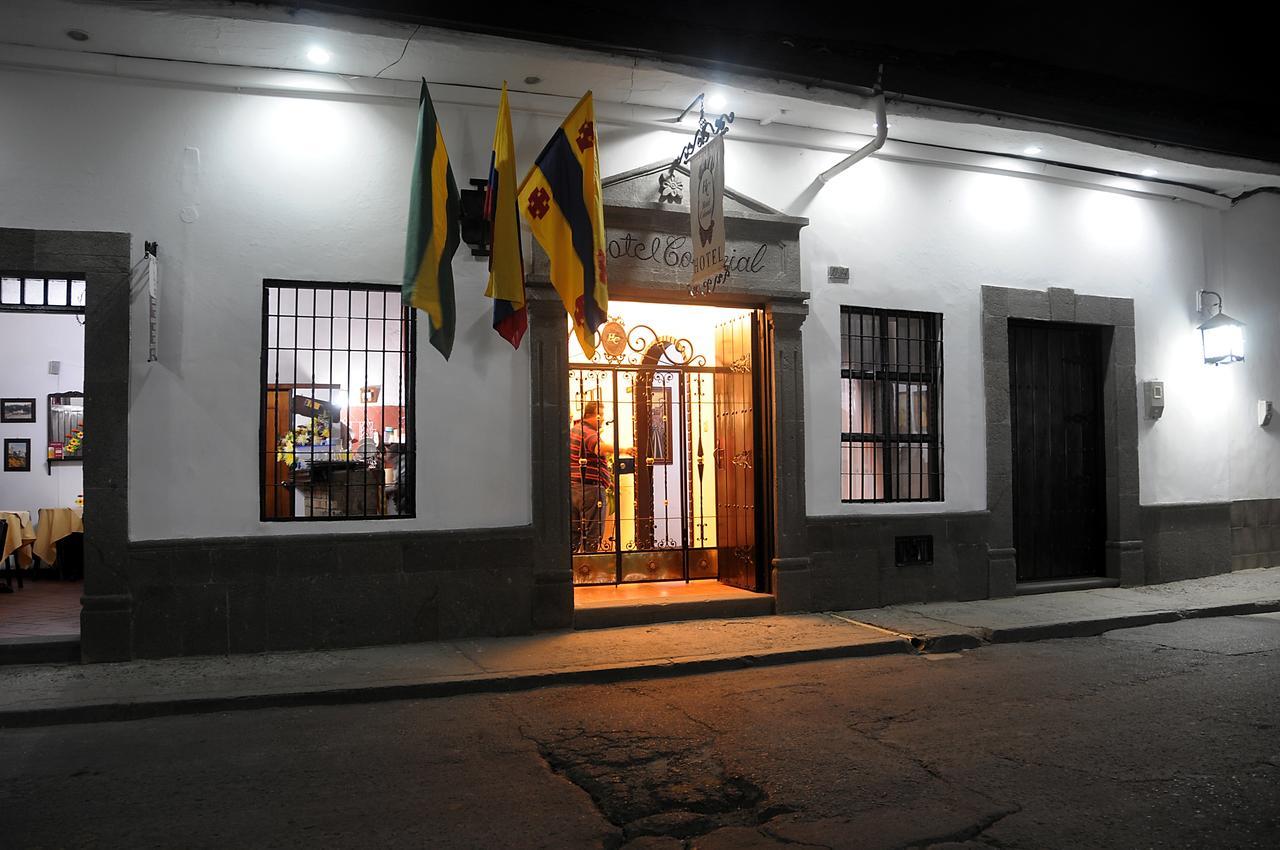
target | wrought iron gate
[{"x": 682, "y": 505}]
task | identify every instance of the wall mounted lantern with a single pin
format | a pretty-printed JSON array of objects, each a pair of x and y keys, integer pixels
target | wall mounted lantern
[{"x": 1221, "y": 335}]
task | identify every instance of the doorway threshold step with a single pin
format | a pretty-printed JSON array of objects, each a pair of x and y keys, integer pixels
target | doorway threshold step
[
  {"x": 1058, "y": 585},
  {"x": 664, "y": 602},
  {"x": 40, "y": 649}
]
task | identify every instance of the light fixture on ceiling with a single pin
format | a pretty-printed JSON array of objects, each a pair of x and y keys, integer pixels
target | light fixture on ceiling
[
  {"x": 77, "y": 35},
  {"x": 1032, "y": 150},
  {"x": 532, "y": 80},
  {"x": 319, "y": 55},
  {"x": 1149, "y": 172},
  {"x": 1221, "y": 336},
  {"x": 717, "y": 102}
]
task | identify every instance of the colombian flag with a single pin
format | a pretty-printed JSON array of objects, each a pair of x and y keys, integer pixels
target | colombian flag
[
  {"x": 433, "y": 230},
  {"x": 506, "y": 265},
  {"x": 561, "y": 200}
]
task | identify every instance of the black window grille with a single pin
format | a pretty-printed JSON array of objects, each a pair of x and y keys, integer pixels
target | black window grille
[
  {"x": 891, "y": 405},
  {"x": 337, "y": 429},
  {"x": 21, "y": 292}
]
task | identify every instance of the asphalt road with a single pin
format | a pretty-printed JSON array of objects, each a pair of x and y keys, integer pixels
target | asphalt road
[{"x": 1164, "y": 736}]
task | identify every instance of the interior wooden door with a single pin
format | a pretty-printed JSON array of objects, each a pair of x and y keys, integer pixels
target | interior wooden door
[
  {"x": 277, "y": 416},
  {"x": 1059, "y": 495},
  {"x": 736, "y": 454}
]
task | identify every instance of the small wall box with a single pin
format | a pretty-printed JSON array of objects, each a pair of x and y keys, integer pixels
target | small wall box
[{"x": 1153, "y": 393}]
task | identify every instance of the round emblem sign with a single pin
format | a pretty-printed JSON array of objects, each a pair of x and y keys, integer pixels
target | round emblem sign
[{"x": 613, "y": 338}]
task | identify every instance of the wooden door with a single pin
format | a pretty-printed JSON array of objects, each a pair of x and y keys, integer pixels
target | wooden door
[
  {"x": 737, "y": 454},
  {"x": 1059, "y": 501},
  {"x": 277, "y": 416}
]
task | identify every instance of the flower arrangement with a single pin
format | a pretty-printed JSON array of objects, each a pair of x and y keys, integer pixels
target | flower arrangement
[
  {"x": 308, "y": 434},
  {"x": 75, "y": 442}
]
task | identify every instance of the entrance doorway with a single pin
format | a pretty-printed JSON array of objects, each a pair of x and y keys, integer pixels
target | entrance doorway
[
  {"x": 1059, "y": 480},
  {"x": 42, "y": 485},
  {"x": 667, "y": 449}
]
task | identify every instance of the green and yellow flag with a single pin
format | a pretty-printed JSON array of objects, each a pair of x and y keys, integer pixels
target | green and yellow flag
[{"x": 433, "y": 230}]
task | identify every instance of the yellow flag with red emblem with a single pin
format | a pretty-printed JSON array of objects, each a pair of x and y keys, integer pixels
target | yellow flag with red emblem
[{"x": 561, "y": 200}]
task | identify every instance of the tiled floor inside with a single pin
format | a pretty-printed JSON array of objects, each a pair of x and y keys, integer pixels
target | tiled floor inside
[
  {"x": 41, "y": 608},
  {"x": 655, "y": 593}
]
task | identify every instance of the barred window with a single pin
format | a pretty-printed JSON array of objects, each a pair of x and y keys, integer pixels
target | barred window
[
  {"x": 890, "y": 405},
  {"x": 337, "y": 402}
]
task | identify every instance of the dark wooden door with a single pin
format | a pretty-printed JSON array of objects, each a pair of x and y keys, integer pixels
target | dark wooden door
[
  {"x": 277, "y": 420},
  {"x": 737, "y": 454},
  {"x": 1059, "y": 509}
]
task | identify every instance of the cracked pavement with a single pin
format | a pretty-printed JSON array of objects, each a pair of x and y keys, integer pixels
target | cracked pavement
[{"x": 1162, "y": 736}]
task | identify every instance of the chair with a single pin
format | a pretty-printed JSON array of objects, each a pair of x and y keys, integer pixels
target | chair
[
  {"x": 71, "y": 556},
  {"x": 10, "y": 564}
]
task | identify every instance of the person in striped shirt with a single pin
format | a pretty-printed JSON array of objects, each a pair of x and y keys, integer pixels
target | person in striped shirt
[{"x": 590, "y": 476}]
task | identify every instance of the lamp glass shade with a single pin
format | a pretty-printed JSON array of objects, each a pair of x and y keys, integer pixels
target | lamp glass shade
[{"x": 1223, "y": 339}]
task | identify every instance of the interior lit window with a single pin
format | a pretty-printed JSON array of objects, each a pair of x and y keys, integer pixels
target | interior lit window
[
  {"x": 21, "y": 293},
  {"x": 337, "y": 402},
  {"x": 890, "y": 406}
]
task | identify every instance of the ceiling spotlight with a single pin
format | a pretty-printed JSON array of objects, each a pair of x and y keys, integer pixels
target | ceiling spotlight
[
  {"x": 1149, "y": 172},
  {"x": 1032, "y": 150},
  {"x": 717, "y": 101},
  {"x": 319, "y": 55},
  {"x": 77, "y": 35},
  {"x": 532, "y": 80}
]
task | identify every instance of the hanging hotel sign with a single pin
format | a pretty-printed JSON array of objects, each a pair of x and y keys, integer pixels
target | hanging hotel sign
[{"x": 706, "y": 217}]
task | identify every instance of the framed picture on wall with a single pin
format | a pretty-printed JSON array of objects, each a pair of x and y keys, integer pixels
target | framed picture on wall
[
  {"x": 17, "y": 455},
  {"x": 17, "y": 410}
]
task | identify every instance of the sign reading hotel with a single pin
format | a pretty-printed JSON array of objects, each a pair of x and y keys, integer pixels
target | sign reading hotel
[{"x": 706, "y": 202}]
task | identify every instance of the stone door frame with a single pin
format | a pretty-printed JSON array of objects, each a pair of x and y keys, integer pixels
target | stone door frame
[
  {"x": 549, "y": 423},
  {"x": 1123, "y": 548},
  {"x": 104, "y": 259}
]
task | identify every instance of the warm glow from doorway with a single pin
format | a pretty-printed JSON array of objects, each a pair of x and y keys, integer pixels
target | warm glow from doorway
[{"x": 694, "y": 322}]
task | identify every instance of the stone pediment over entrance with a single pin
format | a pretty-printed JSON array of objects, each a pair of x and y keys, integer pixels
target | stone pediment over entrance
[
  {"x": 649, "y": 242},
  {"x": 646, "y": 218}
]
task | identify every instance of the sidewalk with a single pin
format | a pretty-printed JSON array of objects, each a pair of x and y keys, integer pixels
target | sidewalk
[
  {"x": 950, "y": 626},
  {"x": 44, "y": 695}
]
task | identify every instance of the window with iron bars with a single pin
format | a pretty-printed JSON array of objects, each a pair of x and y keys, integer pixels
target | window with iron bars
[
  {"x": 43, "y": 293},
  {"x": 337, "y": 424},
  {"x": 891, "y": 405}
]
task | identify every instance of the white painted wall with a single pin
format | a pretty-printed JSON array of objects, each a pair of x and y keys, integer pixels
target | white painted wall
[
  {"x": 28, "y": 341},
  {"x": 242, "y": 187},
  {"x": 927, "y": 238},
  {"x": 238, "y": 188},
  {"x": 1251, "y": 292}
]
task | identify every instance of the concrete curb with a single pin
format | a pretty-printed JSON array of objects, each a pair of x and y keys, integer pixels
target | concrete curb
[
  {"x": 972, "y": 637},
  {"x": 1092, "y": 628},
  {"x": 107, "y": 712}
]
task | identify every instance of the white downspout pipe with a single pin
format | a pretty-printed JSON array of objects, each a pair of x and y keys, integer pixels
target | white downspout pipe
[{"x": 882, "y": 134}]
